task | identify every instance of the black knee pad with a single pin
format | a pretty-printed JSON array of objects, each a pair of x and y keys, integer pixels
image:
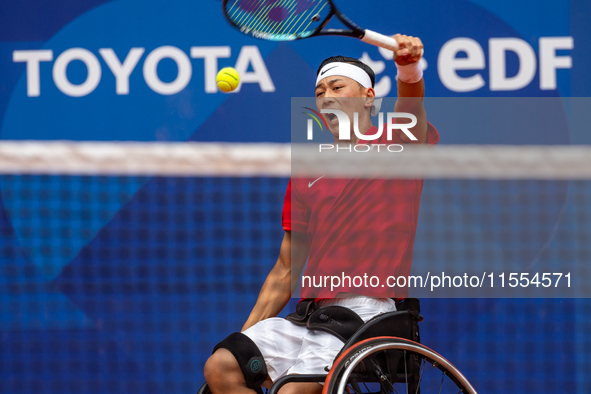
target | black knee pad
[{"x": 249, "y": 358}]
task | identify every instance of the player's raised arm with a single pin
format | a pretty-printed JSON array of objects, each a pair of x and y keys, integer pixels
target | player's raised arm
[{"x": 411, "y": 86}]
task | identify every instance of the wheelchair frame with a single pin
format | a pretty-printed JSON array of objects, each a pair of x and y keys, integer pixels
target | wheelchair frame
[{"x": 375, "y": 346}]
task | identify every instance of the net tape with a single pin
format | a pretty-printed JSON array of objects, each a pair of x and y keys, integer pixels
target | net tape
[{"x": 282, "y": 160}]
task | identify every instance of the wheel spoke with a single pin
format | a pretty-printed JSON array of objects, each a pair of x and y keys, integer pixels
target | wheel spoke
[
  {"x": 383, "y": 369},
  {"x": 377, "y": 367},
  {"x": 367, "y": 388},
  {"x": 423, "y": 362},
  {"x": 405, "y": 372},
  {"x": 442, "y": 377}
]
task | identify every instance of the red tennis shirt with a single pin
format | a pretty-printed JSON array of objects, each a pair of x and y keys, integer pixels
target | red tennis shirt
[{"x": 360, "y": 231}]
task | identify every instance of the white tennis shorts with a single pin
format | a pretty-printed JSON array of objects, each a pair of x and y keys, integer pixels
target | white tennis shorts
[{"x": 291, "y": 349}]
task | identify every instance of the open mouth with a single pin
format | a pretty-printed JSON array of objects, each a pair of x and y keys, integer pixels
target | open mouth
[{"x": 332, "y": 119}]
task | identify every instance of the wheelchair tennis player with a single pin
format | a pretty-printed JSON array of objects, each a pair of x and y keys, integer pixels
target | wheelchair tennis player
[{"x": 350, "y": 226}]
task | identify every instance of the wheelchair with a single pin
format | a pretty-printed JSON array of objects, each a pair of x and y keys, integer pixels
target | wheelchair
[{"x": 384, "y": 356}]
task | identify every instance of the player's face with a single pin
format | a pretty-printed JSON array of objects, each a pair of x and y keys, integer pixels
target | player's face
[{"x": 342, "y": 93}]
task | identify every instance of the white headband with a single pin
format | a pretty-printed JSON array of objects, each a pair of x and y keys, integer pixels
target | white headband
[
  {"x": 346, "y": 70},
  {"x": 350, "y": 71}
]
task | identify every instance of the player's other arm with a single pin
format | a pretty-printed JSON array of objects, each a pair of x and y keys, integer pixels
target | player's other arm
[
  {"x": 410, "y": 95},
  {"x": 277, "y": 289}
]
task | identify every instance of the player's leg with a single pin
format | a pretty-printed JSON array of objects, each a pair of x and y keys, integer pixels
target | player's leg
[
  {"x": 223, "y": 374},
  {"x": 319, "y": 349},
  {"x": 301, "y": 388},
  {"x": 276, "y": 341}
]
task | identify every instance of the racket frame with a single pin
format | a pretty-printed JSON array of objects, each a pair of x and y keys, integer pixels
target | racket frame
[{"x": 365, "y": 35}]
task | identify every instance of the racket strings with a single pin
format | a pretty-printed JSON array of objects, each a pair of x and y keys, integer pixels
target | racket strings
[
  {"x": 247, "y": 17},
  {"x": 293, "y": 17},
  {"x": 253, "y": 13},
  {"x": 292, "y": 12},
  {"x": 262, "y": 17},
  {"x": 244, "y": 7},
  {"x": 310, "y": 19},
  {"x": 274, "y": 16},
  {"x": 285, "y": 18},
  {"x": 302, "y": 6}
]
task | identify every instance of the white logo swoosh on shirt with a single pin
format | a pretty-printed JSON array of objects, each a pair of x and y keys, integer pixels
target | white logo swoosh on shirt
[{"x": 311, "y": 183}]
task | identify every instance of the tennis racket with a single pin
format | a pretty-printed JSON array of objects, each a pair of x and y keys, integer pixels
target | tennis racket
[{"x": 287, "y": 20}]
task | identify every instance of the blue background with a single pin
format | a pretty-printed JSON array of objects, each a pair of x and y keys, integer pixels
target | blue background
[{"x": 123, "y": 285}]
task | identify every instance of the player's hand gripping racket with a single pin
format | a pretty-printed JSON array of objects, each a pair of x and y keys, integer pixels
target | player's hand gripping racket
[{"x": 286, "y": 20}]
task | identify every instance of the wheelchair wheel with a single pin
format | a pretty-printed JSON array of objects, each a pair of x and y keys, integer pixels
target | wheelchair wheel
[{"x": 393, "y": 365}]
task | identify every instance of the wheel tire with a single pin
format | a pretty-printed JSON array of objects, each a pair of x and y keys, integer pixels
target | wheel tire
[{"x": 345, "y": 375}]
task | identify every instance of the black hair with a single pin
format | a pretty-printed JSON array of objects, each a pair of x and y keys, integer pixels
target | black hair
[{"x": 350, "y": 60}]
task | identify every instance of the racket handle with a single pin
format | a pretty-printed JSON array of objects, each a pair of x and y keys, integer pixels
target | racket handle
[{"x": 380, "y": 40}]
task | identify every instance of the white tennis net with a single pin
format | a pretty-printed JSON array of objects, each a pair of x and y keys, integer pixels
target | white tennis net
[{"x": 282, "y": 160}]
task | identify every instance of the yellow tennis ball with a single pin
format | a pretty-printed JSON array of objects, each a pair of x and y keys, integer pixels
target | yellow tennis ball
[{"x": 227, "y": 79}]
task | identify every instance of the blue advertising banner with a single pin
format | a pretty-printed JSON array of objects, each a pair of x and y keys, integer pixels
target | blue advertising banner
[{"x": 124, "y": 285}]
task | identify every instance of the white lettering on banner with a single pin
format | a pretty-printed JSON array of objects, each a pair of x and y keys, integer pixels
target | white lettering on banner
[
  {"x": 183, "y": 75},
  {"x": 93, "y": 68},
  {"x": 497, "y": 47},
  {"x": 250, "y": 54},
  {"x": 549, "y": 62},
  {"x": 121, "y": 71},
  {"x": 210, "y": 57},
  {"x": 249, "y": 57},
  {"x": 448, "y": 64},
  {"x": 33, "y": 58}
]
